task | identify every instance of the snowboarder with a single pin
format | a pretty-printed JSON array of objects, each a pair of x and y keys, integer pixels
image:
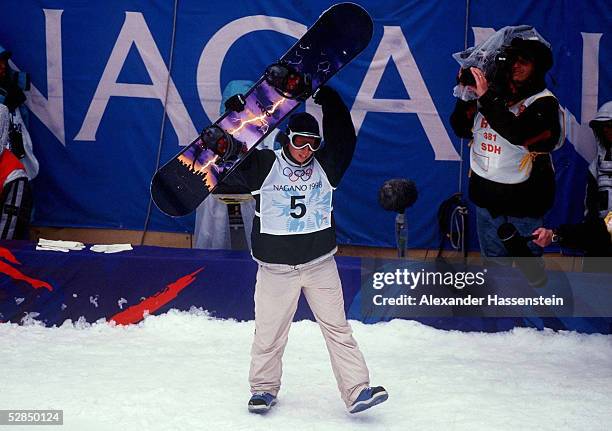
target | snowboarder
[{"x": 294, "y": 241}]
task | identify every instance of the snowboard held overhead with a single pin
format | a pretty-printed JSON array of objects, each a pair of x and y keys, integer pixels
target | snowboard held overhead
[{"x": 338, "y": 36}]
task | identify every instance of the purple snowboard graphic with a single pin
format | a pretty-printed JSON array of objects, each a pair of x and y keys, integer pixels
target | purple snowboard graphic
[{"x": 338, "y": 36}]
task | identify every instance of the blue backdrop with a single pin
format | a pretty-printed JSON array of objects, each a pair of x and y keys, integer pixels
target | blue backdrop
[{"x": 101, "y": 102}]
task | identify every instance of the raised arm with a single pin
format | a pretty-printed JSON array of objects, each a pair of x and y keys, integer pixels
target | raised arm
[{"x": 338, "y": 134}]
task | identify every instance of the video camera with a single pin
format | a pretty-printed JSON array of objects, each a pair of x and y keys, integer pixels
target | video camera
[
  {"x": 497, "y": 71},
  {"x": 17, "y": 78},
  {"x": 14, "y": 79}
]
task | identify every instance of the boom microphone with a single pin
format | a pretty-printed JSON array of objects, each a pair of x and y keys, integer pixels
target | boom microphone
[{"x": 397, "y": 195}]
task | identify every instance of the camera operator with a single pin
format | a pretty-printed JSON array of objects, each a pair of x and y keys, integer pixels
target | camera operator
[
  {"x": 15, "y": 192},
  {"x": 13, "y": 85},
  {"x": 11, "y": 93},
  {"x": 594, "y": 234},
  {"x": 514, "y": 124}
]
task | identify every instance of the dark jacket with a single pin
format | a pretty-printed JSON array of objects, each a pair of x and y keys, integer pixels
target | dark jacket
[
  {"x": 335, "y": 157},
  {"x": 591, "y": 236}
]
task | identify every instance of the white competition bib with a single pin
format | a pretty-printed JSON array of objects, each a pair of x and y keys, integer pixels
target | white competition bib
[
  {"x": 294, "y": 200},
  {"x": 495, "y": 158}
]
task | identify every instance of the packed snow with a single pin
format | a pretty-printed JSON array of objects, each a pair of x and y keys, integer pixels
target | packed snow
[{"x": 187, "y": 371}]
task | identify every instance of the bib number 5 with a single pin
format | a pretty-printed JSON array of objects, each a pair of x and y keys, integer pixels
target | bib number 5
[{"x": 298, "y": 206}]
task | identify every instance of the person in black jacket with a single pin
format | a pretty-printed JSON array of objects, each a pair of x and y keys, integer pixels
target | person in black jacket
[
  {"x": 11, "y": 94},
  {"x": 594, "y": 234},
  {"x": 16, "y": 194},
  {"x": 294, "y": 241},
  {"x": 514, "y": 124},
  {"x": 12, "y": 86}
]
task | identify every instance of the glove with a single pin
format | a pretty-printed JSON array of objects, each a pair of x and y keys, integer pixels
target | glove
[
  {"x": 235, "y": 103},
  {"x": 324, "y": 95}
]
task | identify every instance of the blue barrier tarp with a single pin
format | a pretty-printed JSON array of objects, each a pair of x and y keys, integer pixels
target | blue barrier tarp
[{"x": 52, "y": 287}]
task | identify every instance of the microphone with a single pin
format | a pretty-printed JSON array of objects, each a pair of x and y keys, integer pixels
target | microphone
[
  {"x": 397, "y": 195},
  {"x": 516, "y": 245}
]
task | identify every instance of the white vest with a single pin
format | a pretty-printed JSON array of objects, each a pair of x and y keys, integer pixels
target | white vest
[
  {"x": 602, "y": 171},
  {"x": 294, "y": 200},
  {"x": 493, "y": 157}
]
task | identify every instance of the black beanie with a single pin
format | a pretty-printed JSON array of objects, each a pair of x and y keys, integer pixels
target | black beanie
[
  {"x": 535, "y": 51},
  {"x": 304, "y": 122}
]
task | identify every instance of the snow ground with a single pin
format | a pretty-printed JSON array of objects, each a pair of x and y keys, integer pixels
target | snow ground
[{"x": 186, "y": 371}]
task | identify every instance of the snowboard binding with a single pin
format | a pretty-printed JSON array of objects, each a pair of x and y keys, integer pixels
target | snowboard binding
[
  {"x": 288, "y": 82},
  {"x": 217, "y": 140}
]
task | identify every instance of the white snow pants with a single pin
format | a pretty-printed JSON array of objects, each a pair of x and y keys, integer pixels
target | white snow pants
[{"x": 277, "y": 292}]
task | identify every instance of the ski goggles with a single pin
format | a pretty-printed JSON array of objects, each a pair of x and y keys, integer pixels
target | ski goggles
[{"x": 300, "y": 140}]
